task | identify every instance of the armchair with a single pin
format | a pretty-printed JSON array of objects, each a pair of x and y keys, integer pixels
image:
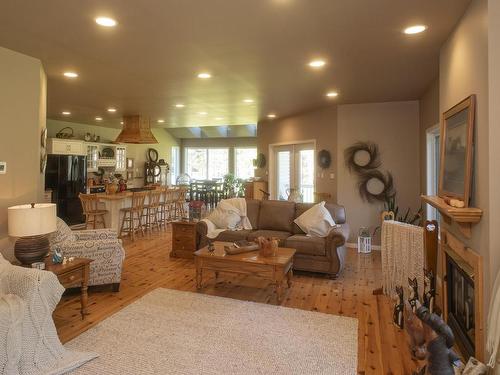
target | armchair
[{"x": 101, "y": 245}]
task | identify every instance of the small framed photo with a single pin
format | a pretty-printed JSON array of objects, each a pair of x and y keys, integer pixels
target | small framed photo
[
  {"x": 130, "y": 163},
  {"x": 3, "y": 167}
]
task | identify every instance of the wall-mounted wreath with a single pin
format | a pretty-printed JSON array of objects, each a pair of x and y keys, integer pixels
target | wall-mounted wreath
[
  {"x": 374, "y": 186},
  {"x": 362, "y": 156},
  {"x": 324, "y": 159}
]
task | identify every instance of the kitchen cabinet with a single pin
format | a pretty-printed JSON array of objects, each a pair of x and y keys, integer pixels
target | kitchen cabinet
[
  {"x": 59, "y": 146},
  {"x": 92, "y": 157},
  {"x": 121, "y": 158}
]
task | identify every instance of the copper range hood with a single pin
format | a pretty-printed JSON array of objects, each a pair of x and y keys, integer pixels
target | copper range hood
[{"x": 136, "y": 129}]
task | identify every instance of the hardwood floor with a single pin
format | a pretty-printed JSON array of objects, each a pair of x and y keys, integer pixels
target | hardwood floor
[{"x": 383, "y": 348}]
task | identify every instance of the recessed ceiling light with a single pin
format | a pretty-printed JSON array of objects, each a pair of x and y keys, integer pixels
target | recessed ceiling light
[
  {"x": 161, "y": 121},
  {"x": 204, "y": 75},
  {"x": 179, "y": 105},
  {"x": 106, "y": 21},
  {"x": 121, "y": 122},
  {"x": 219, "y": 118},
  {"x": 332, "y": 94},
  {"x": 271, "y": 115},
  {"x": 98, "y": 118},
  {"x": 66, "y": 113},
  {"x": 70, "y": 74},
  {"x": 317, "y": 63},
  {"x": 416, "y": 29},
  {"x": 203, "y": 113},
  {"x": 248, "y": 101},
  {"x": 112, "y": 110}
]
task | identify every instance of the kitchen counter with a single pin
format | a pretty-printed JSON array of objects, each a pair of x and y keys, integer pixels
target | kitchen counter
[{"x": 114, "y": 197}]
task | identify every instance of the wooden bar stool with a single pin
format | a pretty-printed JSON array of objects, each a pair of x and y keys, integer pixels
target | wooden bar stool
[
  {"x": 179, "y": 203},
  {"x": 132, "y": 216},
  {"x": 151, "y": 210},
  {"x": 93, "y": 215},
  {"x": 166, "y": 204}
]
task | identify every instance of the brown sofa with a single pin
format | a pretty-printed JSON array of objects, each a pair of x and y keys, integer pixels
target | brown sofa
[{"x": 275, "y": 219}]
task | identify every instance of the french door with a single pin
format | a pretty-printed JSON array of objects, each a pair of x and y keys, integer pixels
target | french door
[{"x": 294, "y": 169}]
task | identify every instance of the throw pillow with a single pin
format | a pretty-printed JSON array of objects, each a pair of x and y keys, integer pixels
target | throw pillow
[
  {"x": 224, "y": 219},
  {"x": 316, "y": 221}
]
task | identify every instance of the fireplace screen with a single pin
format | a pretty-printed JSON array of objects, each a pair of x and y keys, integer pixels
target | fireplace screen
[{"x": 461, "y": 305}]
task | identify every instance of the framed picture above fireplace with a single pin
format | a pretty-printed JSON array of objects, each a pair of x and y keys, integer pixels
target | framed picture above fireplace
[{"x": 457, "y": 139}]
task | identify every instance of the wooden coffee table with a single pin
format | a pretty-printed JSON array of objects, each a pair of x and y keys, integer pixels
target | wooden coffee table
[{"x": 270, "y": 268}]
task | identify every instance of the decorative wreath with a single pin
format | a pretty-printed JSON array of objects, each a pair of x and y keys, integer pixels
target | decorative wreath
[
  {"x": 152, "y": 155},
  {"x": 350, "y": 157},
  {"x": 324, "y": 159},
  {"x": 386, "y": 180}
]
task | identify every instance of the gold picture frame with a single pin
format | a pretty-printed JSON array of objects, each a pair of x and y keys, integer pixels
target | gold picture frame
[{"x": 457, "y": 142}]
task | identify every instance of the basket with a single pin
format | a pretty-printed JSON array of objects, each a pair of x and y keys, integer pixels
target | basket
[{"x": 65, "y": 133}]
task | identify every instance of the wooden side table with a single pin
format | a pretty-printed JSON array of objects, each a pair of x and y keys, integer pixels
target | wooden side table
[
  {"x": 183, "y": 239},
  {"x": 73, "y": 274}
]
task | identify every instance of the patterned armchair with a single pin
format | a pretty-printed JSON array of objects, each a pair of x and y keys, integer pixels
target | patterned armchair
[{"x": 101, "y": 245}]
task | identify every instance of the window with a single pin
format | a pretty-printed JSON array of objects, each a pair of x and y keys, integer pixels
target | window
[
  {"x": 243, "y": 162},
  {"x": 433, "y": 160},
  {"x": 218, "y": 163},
  {"x": 175, "y": 165},
  {"x": 207, "y": 163}
]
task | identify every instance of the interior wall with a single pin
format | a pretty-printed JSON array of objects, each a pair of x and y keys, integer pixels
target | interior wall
[
  {"x": 394, "y": 127},
  {"x": 429, "y": 116},
  {"x": 22, "y": 114},
  {"x": 463, "y": 70},
  {"x": 494, "y": 136},
  {"x": 319, "y": 125},
  {"x": 137, "y": 152}
]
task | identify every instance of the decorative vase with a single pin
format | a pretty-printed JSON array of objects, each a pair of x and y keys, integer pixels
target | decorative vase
[
  {"x": 268, "y": 246},
  {"x": 294, "y": 195},
  {"x": 111, "y": 188}
]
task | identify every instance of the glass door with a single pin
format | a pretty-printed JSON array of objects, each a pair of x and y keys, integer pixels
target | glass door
[{"x": 294, "y": 170}]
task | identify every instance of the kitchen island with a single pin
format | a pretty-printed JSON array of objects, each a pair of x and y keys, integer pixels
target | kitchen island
[{"x": 113, "y": 203}]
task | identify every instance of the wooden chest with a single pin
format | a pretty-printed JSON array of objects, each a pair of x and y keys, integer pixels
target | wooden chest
[{"x": 183, "y": 239}]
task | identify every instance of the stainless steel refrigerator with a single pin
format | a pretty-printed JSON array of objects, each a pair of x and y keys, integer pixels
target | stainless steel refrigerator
[{"x": 66, "y": 176}]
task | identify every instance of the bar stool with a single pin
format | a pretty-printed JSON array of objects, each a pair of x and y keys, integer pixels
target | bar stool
[
  {"x": 166, "y": 206},
  {"x": 178, "y": 211},
  {"x": 132, "y": 216},
  {"x": 151, "y": 210},
  {"x": 90, "y": 206}
]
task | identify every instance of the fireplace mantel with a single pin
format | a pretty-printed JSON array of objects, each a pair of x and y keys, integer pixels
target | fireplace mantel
[
  {"x": 453, "y": 247},
  {"x": 464, "y": 217}
]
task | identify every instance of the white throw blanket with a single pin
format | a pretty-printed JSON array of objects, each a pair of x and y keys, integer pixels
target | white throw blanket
[
  {"x": 236, "y": 206},
  {"x": 402, "y": 256},
  {"x": 493, "y": 326},
  {"x": 27, "y": 299}
]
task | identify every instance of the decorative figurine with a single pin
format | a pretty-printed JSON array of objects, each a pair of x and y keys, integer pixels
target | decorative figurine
[
  {"x": 415, "y": 330},
  {"x": 397, "y": 316},
  {"x": 413, "y": 285},
  {"x": 438, "y": 340},
  {"x": 57, "y": 256},
  {"x": 211, "y": 247},
  {"x": 429, "y": 289}
]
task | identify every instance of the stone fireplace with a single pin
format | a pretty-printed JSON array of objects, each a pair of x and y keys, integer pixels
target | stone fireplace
[{"x": 463, "y": 295}]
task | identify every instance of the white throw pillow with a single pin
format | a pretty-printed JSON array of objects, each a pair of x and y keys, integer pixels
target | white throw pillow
[
  {"x": 316, "y": 221},
  {"x": 224, "y": 219}
]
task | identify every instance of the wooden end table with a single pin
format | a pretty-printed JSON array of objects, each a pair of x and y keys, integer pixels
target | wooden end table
[
  {"x": 73, "y": 274},
  {"x": 275, "y": 268},
  {"x": 183, "y": 239}
]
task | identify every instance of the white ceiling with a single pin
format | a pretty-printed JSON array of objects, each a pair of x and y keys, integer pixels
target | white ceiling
[{"x": 255, "y": 49}]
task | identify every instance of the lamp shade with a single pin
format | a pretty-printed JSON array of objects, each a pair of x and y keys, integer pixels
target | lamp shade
[{"x": 32, "y": 220}]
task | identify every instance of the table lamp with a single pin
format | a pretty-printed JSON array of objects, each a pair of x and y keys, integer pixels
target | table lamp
[{"x": 32, "y": 223}]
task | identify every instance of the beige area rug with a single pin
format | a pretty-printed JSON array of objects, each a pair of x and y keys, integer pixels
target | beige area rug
[{"x": 174, "y": 332}]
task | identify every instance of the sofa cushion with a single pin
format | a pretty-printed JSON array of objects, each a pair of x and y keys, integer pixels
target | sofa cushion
[
  {"x": 63, "y": 234},
  {"x": 276, "y": 215},
  {"x": 253, "y": 208},
  {"x": 337, "y": 212},
  {"x": 316, "y": 221},
  {"x": 233, "y": 235},
  {"x": 280, "y": 235},
  {"x": 306, "y": 244}
]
